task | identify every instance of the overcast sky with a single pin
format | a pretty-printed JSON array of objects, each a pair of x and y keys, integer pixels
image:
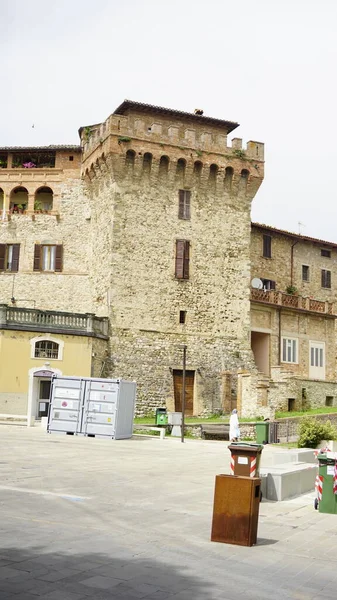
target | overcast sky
[{"x": 268, "y": 64}]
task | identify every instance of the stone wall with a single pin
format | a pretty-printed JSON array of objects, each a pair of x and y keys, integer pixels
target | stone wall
[
  {"x": 305, "y": 252},
  {"x": 70, "y": 289}
]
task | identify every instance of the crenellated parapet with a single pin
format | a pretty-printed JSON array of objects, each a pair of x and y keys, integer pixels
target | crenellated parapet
[{"x": 178, "y": 137}]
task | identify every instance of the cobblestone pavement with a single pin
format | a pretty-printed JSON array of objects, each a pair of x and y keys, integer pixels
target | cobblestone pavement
[{"x": 86, "y": 518}]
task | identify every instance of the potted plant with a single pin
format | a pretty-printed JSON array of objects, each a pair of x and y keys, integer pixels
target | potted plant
[{"x": 291, "y": 290}]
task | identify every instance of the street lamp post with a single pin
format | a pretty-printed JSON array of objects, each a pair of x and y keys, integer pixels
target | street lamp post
[{"x": 183, "y": 396}]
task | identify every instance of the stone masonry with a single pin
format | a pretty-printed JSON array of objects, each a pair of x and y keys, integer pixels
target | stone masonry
[{"x": 134, "y": 165}]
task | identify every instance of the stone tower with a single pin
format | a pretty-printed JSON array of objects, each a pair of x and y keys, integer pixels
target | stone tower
[{"x": 170, "y": 220}]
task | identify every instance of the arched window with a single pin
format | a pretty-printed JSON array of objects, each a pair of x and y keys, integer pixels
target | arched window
[
  {"x": 43, "y": 199},
  {"x": 244, "y": 174},
  {"x": 130, "y": 158},
  {"x": 18, "y": 200},
  {"x": 229, "y": 172},
  {"x": 164, "y": 165},
  {"x": 197, "y": 169},
  {"x": 46, "y": 349},
  {"x": 147, "y": 162}
]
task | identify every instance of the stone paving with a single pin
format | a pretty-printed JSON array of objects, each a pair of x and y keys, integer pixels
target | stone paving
[{"x": 99, "y": 519}]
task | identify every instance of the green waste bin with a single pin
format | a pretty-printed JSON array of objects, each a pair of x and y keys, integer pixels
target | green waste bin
[
  {"x": 262, "y": 432},
  {"x": 328, "y": 503},
  {"x": 161, "y": 416}
]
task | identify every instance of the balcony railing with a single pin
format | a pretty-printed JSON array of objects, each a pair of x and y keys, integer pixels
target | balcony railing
[
  {"x": 29, "y": 319},
  {"x": 292, "y": 301}
]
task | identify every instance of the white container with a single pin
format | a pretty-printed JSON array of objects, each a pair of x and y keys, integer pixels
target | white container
[{"x": 175, "y": 418}]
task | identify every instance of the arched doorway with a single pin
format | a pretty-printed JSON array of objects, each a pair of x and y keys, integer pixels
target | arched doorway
[{"x": 39, "y": 392}]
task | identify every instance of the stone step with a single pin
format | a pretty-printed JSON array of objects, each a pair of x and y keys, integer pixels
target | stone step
[{"x": 287, "y": 480}]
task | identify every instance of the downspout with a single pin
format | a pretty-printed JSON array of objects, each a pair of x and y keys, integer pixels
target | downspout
[{"x": 279, "y": 336}]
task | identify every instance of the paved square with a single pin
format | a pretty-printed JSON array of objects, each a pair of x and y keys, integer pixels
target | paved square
[{"x": 86, "y": 518}]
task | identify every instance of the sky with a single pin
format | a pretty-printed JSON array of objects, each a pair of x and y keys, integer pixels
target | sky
[{"x": 269, "y": 65}]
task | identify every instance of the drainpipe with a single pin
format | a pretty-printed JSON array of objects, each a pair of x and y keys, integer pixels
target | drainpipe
[
  {"x": 292, "y": 262},
  {"x": 279, "y": 336}
]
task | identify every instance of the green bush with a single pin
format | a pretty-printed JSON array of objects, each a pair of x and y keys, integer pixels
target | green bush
[{"x": 312, "y": 432}]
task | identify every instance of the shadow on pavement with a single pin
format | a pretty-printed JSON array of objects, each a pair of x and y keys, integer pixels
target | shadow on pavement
[{"x": 36, "y": 574}]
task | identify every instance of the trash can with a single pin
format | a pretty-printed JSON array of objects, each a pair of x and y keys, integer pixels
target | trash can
[
  {"x": 262, "y": 432},
  {"x": 161, "y": 416},
  {"x": 245, "y": 459},
  {"x": 328, "y": 501},
  {"x": 236, "y": 510}
]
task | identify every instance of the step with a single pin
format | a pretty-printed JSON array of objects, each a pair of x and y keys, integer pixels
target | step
[{"x": 288, "y": 480}]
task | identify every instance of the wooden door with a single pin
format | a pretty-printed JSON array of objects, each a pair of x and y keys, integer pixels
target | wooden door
[{"x": 178, "y": 388}]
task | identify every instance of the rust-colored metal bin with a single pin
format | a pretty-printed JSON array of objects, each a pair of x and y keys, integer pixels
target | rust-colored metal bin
[
  {"x": 236, "y": 510},
  {"x": 245, "y": 459}
]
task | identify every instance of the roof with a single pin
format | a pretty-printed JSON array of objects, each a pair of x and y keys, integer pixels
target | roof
[
  {"x": 44, "y": 148},
  {"x": 140, "y": 106},
  {"x": 296, "y": 236}
]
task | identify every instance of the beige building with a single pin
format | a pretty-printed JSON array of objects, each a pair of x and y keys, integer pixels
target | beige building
[{"x": 293, "y": 314}]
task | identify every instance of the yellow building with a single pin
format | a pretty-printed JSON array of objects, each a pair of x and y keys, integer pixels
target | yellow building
[{"x": 35, "y": 345}]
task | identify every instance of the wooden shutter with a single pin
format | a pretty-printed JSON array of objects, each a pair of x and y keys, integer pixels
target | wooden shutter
[
  {"x": 184, "y": 204},
  {"x": 187, "y": 260},
  {"x": 180, "y": 246},
  {"x": 181, "y": 204},
  {"x": 59, "y": 258},
  {"x": 37, "y": 257},
  {"x": 187, "y": 204},
  {"x": 2, "y": 256},
  {"x": 15, "y": 258}
]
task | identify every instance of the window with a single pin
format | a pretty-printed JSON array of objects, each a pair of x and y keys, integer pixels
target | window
[
  {"x": 325, "y": 278},
  {"x": 291, "y": 404},
  {"x": 268, "y": 284},
  {"x": 48, "y": 257},
  {"x": 305, "y": 273},
  {"x": 182, "y": 317},
  {"x": 184, "y": 204},
  {"x": 267, "y": 246},
  {"x": 326, "y": 253},
  {"x": 182, "y": 259},
  {"x": 329, "y": 401},
  {"x": 46, "y": 349},
  {"x": 289, "y": 350},
  {"x": 71, "y": 158},
  {"x": 9, "y": 257},
  {"x": 316, "y": 360}
]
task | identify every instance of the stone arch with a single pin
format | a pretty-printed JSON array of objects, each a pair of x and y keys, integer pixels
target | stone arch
[
  {"x": 44, "y": 198},
  {"x": 244, "y": 173},
  {"x": 197, "y": 168},
  {"x": 164, "y": 165},
  {"x": 181, "y": 166},
  {"x": 213, "y": 172},
  {"x": 229, "y": 173},
  {"x": 147, "y": 162},
  {"x": 18, "y": 199},
  {"x": 130, "y": 158}
]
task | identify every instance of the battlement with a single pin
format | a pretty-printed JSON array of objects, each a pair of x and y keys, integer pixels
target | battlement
[{"x": 173, "y": 132}]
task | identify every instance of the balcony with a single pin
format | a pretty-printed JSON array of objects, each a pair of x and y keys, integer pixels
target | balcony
[
  {"x": 301, "y": 303},
  {"x": 29, "y": 319}
]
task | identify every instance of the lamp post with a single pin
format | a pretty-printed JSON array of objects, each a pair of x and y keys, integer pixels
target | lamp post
[{"x": 183, "y": 395}]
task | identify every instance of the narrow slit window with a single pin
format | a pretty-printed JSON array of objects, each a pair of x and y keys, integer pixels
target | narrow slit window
[
  {"x": 305, "y": 273},
  {"x": 182, "y": 317}
]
